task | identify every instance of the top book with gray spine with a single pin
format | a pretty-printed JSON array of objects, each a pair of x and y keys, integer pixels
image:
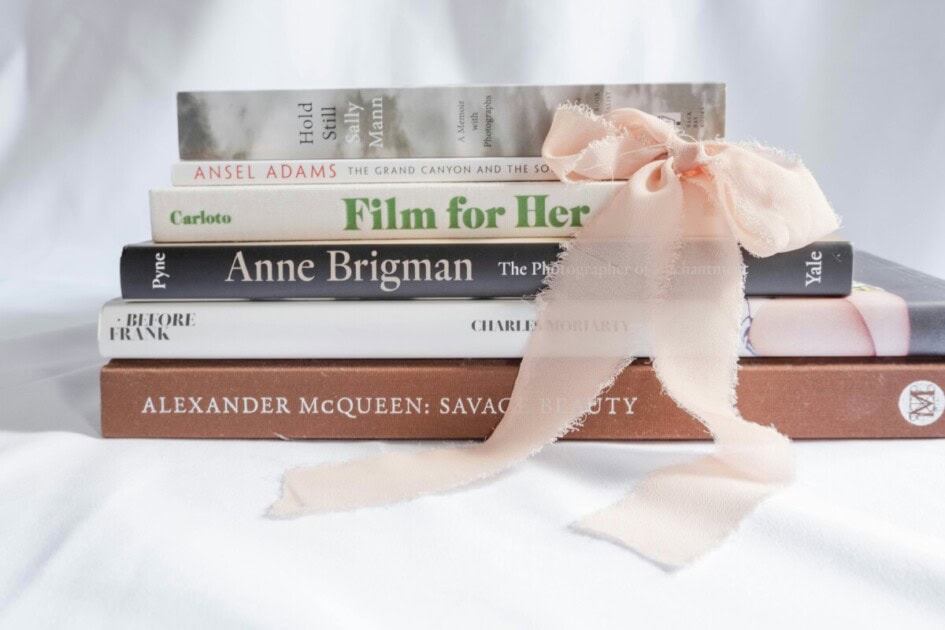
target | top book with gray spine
[{"x": 419, "y": 122}]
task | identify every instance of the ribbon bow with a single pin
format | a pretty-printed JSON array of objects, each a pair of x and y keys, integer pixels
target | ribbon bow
[{"x": 669, "y": 284}]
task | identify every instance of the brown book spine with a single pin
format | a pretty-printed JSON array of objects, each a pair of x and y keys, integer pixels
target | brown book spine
[{"x": 456, "y": 399}]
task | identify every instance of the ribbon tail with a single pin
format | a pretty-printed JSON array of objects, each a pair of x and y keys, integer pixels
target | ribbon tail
[
  {"x": 678, "y": 513},
  {"x": 590, "y": 321},
  {"x": 397, "y": 476}
]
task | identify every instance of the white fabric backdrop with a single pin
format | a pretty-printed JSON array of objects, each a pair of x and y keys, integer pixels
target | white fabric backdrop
[{"x": 98, "y": 533}]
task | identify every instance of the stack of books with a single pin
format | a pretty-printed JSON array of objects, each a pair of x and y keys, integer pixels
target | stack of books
[{"x": 360, "y": 264}]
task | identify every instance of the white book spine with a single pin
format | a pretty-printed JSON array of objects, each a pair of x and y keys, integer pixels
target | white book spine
[
  {"x": 409, "y": 329},
  {"x": 375, "y": 211},
  {"x": 314, "y": 329},
  {"x": 366, "y": 171}
]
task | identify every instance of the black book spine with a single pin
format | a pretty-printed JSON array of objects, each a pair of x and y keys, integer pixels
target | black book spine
[{"x": 265, "y": 271}]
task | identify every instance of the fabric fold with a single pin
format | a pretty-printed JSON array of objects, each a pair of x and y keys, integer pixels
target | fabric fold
[{"x": 668, "y": 276}]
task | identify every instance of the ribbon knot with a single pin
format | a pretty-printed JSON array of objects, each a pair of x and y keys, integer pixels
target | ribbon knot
[
  {"x": 683, "y": 310},
  {"x": 688, "y": 157}
]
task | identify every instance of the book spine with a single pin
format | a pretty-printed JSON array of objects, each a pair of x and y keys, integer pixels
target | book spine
[
  {"x": 807, "y": 399},
  {"x": 380, "y": 171},
  {"x": 316, "y": 329},
  {"x": 401, "y": 270},
  {"x": 378, "y": 329},
  {"x": 461, "y": 121},
  {"x": 374, "y": 211}
]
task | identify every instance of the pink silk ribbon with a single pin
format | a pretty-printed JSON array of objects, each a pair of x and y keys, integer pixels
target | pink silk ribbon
[{"x": 658, "y": 268}]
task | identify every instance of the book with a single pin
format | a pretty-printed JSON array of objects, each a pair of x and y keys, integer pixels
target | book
[
  {"x": 458, "y": 399},
  {"x": 415, "y": 269},
  {"x": 378, "y": 171},
  {"x": 375, "y": 211},
  {"x": 418, "y": 122},
  {"x": 892, "y": 311},
  {"x": 331, "y": 212}
]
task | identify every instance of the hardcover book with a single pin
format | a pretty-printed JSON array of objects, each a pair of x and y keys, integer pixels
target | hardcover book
[
  {"x": 379, "y": 171},
  {"x": 892, "y": 311},
  {"x": 457, "y": 399},
  {"x": 417, "y": 269},
  {"x": 381, "y": 211},
  {"x": 419, "y": 122},
  {"x": 374, "y": 211}
]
